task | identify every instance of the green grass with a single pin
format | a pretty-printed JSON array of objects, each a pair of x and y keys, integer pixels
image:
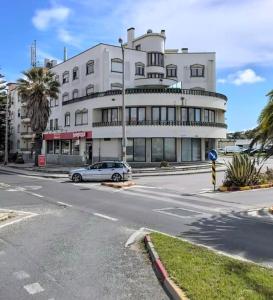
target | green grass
[{"x": 204, "y": 274}]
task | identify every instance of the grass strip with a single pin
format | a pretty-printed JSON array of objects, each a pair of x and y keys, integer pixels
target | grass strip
[{"x": 204, "y": 274}]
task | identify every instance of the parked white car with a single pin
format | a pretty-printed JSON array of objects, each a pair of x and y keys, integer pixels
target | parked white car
[
  {"x": 106, "y": 170},
  {"x": 233, "y": 149}
]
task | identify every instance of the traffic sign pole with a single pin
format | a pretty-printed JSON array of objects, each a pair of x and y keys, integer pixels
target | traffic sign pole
[{"x": 213, "y": 169}]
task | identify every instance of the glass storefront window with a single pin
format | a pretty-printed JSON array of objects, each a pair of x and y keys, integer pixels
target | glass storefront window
[
  {"x": 65, "y": 146},
  {"x": 139, "y": 150},
  {"x": 49, "y": 148},
  {"x": 130, "y": 149},
  {"x": 76, "y": 147},
  {"x": 196, "y": 149},
  {"x": 191, "y": 149},
  {"x": 169, "y": 149},
  {"x": 56, "y": 147},
  {"x": 186, "y": 149},
  {"x": 157, "y": 149}
]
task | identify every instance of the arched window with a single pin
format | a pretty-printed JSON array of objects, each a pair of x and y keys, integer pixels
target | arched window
[
  {"x": 116, "y": 65},
  {"x": 89, "y": 89},
  {"x": 65, "y": 97},
  {"x": 81, "y": 117},
  {"x": 171, "y": 71},
  {"x": 116, "y": 86},
  {"x": 65, "y": 77},
  {"x": 140, "y": 68},
  {"x": 67, "y": 119},
  {"x": 75, "y": 74},
  {"x": 90, "y": 67},
  {"x": 197, "y": 70},
  {"x": 75, "y": 94}
]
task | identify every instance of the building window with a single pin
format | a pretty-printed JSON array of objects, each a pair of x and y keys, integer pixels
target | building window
[
  {"x": 163, "y": 149},
  {"x": 65, "y": 147},
  {"x": 65, "y": 77},
  {"x": 75, "y": 74},
  {"x": 56, "y": 126},
  {"x": 116, "y": 65},
  {"x": 51, "y": 101},
  {"x": 209, "y": 116},
  {"x": 140, "y": 69},
  {"x": 156, "y": 59},
  {"x": 191, "y": 149},
  {"x": 163, "y": 114},
  {"x": 18, "y": 144},
  {"x": 49, "y": 147},
  {"x": 190, "y": 114},
  {"x": 75, "y": 94},
  {"x": 135, "y": 115},
  {"x": 67, "y": 119},
  {"x": 89, "y": 89},
  {"x": 90, "y": 67},
  {"x": 136, "y": 150},
  {"x": 197, "y": 70},
  {"x": 110, "y": 115},
  {"x": 57, "y": 147},
  {"x": 155, "y": 75},
  {"x": 171, "y": 71},
  {"x": 57, "y": 102},
  {"x": 81, "y": 117},
  {"x": 116, "y": 86},
  {"x": 65, "y": 97},
  {"x": 138, "y": 47},
  {"x": 57, "y": 78},
  {"x": 51, "y": 125},
  {"x": 18, "y": 128}
]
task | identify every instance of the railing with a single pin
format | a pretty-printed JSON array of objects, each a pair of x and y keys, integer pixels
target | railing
[
  {"x": 148, "y": 91},
  {"x": 160, "y": 123}
]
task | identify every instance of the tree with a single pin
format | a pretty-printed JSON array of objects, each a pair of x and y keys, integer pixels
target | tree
[
  {"x": 3, "y": 101},
  {"x": 36, "y": 88},
  {"x": 264, "y": 130}
]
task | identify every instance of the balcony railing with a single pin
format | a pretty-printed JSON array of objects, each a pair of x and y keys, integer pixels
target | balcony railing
[
  {"x": 160, "y": 123},
  {"x": 148, "y": 91}
]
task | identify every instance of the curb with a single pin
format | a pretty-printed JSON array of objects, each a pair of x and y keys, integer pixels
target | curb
[
  {"x": 118, "y": 185},
  {"x": 245, "y": 188},
  {"x": 172, "y": 289}
]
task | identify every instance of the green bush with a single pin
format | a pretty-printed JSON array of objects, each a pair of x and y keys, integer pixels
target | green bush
[
  {"x": 242, "y": 171},
  {"x": 164, "y": 164}
]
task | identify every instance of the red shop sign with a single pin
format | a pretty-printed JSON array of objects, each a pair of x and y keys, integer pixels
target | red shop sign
[
  {"x": 67, "y": 135},
  {"x": 41, "y": 160}
]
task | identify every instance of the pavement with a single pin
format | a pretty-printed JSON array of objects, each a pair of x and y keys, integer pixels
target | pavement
[{"x": 74, "y": 245}]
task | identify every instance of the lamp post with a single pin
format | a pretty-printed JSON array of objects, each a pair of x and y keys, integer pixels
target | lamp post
[
  {"x": 6, "y": 158},
  {"x": 123, "y": 106}
]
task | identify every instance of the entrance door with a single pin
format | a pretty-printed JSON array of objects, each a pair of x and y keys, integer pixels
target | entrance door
[{"x": 89, "y": 152}]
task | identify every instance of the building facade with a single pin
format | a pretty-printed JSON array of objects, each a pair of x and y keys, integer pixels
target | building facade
[{"x": 173, "y": 112}]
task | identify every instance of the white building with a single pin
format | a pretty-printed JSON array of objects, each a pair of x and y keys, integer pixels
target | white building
[{"x": 164, "y": 121}]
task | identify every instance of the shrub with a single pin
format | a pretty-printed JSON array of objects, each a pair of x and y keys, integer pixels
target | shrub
[
  {"x": 242, "y": 171},
  {"x": 164, "y": 164}
]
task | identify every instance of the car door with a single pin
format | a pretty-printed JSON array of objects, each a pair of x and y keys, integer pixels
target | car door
[
  {"x": 106, "y": 173},
  {"x": 94, "y": 172}
]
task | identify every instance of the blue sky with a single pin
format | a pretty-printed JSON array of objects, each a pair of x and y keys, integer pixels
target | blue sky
[{"x": 239, "y": 31}]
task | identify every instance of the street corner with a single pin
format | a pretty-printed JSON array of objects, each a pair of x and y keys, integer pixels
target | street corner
[
  {"x": 119, "y": 185},
  {"x": 9, "y": 217}
]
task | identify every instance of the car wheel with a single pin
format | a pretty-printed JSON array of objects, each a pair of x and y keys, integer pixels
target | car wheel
[
  {"x": 77, "y": 177},
  {"x": 116, "y": 177}
]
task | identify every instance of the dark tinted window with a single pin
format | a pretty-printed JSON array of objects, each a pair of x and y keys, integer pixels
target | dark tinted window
[
  {"x": 110, "y": 165},
  {"x": 119, "y": 165}
]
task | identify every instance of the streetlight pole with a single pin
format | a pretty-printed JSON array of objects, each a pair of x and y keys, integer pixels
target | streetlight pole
[
  {"x": 123, "y": 106},
  {"x": 6, "y": 158}
]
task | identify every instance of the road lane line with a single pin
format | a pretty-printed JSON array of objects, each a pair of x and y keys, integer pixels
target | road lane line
[
  {"x": 33, "y": 288},
  {"x": 36, "y": 195},
  {"x": 18, "y": 220},
  {"x": 105, "y": 217},
  {"x": 64, "y": 204}
]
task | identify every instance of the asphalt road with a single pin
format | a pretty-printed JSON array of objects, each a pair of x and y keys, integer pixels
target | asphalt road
[{"x": 75, "y": 247}]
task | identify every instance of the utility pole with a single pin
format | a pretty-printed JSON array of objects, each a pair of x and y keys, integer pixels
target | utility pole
[
  {"x": 6, "y": 159},
  {"x": 123, "y": 106}
]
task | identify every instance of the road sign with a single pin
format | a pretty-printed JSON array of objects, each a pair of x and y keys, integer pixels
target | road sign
[{"x": 213, "y": 155}]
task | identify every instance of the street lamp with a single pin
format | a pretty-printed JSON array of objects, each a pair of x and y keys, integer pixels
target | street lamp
[{"x": 123, "y": 106}]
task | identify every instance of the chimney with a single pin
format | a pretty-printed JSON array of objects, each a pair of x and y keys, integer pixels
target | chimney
[
  {"x": 130, "y": 37},
  {"x": 65, "y": 54},
  {"x": 185, "y": 50}
]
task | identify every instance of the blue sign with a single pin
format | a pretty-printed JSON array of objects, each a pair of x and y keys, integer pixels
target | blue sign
[{"x": 213, "y": 155}]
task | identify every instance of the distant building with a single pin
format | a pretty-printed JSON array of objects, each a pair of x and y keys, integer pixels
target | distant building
[{"x": 173, "y": 112}]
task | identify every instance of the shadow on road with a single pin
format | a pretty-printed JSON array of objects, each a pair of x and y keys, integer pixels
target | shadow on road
[{"x": 235, "y": 234}]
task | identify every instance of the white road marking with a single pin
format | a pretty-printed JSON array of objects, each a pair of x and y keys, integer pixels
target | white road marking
[
  {"x": 105, "y": 217},
  {"x": 137, "y": 235},
  {"x": 34, "y": 176},
  {"x": 33, "y": 288},
  {"x": 64, "y": 204},
  {"x": 21, "y": 275},
  {"x": 36, "y": 195},
  {"x": 2, "y": 184},
  {"x": 18, "y": 220},
  {"x": 166, "y": 212}
]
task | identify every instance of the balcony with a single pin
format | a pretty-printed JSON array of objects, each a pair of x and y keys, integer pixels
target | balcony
[
  {"x": 25, "y": 119},
  {"x": 160, "y": 123},
  {"x": 148, "y": 91},
  {"x": 26, "y": 135},
  {"x": 154, "y": 82}
]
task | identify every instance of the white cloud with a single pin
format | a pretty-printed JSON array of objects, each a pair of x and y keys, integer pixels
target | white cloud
[
  {"x": 247, "y": 76},
  {"x": 44, "y": 18}
]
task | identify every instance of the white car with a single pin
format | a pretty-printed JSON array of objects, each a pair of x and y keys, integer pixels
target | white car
[
  {"x": 106, "y": 170},
  {"x": 233, "y": 149}
]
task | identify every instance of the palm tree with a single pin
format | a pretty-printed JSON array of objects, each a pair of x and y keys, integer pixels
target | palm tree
[
  {"x": 36, "y": 87},
  {"x": 264, "y": 131}
]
